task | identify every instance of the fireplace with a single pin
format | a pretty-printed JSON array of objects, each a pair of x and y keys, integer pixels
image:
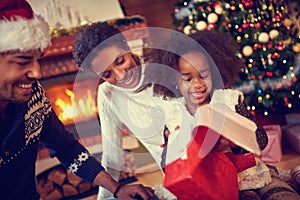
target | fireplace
[{"x": 70, "y": 106}]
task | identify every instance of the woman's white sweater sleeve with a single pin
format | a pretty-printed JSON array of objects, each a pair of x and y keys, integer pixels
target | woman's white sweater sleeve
[{"x": 111, "y": 142}]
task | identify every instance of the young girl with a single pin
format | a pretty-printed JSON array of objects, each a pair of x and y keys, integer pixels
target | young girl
[{"x": 199, "y": 84}]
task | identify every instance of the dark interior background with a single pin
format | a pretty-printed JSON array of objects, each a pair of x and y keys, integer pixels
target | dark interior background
[{"x": 158, "y": 13}]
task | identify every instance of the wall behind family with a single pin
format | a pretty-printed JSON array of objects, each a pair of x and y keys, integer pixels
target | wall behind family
[{"x": 69, "y": 13}]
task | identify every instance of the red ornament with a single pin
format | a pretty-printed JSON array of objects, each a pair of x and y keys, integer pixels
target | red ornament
[
  {"x": 245, "y": 25},
  {"x": 280, "y": 47},
  {"x": 295, "y": 79},
  {"x": 269, "y": 73},
  {"x": 215, "y": 4},
  {"x": 257, "y": 25},
  {"x": 252, "y": 77},
  {"x": 279, "y": 85},
  {"x": 247, "y": 3},
  {"x": 279, "y": 17},
  {"x": 273, "y": 19},
  {"x": 200, "y": 7}
]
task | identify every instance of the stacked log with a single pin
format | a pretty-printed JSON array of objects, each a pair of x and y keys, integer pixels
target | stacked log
[{"x": 58, "y": 183}]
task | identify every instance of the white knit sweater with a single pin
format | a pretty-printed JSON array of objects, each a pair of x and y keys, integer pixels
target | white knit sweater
[{"x": 144, "y": 114}]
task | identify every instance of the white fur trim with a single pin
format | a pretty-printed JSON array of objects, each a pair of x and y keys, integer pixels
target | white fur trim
[
  {"x": 229, "y": 97},
  {"x": 24, "y": 34}
]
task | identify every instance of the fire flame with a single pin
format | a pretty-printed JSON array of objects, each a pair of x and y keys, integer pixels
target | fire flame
[{"x": 82, "y": 108}]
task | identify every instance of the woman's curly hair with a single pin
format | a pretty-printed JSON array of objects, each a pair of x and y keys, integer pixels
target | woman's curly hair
[{"x": 88, "y": 40}]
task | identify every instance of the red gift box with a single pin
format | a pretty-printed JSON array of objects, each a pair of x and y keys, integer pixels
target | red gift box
[
  {"x": 273, "y": 151},
  {"x": 242, "y": 161},
  {"x": 211, "y": 177}
]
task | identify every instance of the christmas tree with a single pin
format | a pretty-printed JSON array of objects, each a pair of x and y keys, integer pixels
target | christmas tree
[{"x": 268, "y": 46}]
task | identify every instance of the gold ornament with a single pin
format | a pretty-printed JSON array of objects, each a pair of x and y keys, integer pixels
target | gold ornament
[
  {"x": 219, "y": 9},
  {"x": 187, "y": 29},
  {"x": 247, "y": 50},
  {"x": 287, "y": 22},
  {"x": 212, "y": 18},
  {"x": 263, "y": 37},
  {"x": 296, "y": 47},
  {"x": 273, "y": 34},
  {"x": 201, "y": 25}
]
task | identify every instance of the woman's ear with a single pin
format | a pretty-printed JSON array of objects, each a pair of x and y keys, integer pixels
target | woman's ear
[{"x": 136, "y": 58}]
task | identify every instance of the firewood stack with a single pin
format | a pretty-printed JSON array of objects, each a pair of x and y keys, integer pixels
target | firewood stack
[{"x": 60, "y": 183}]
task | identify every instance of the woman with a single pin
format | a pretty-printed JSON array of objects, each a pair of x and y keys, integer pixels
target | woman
[{"x": 125, "y": 97}]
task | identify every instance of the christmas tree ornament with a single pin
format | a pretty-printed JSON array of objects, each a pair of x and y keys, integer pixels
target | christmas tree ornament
[
  {"x": 263, "y": 37},
  {"x": 247, "y": 50},
  {"x": 296, "y": 47},
  {"x": 212, "y": 18},
  {"x": 245, "y": 25},
  {"x": 273, "y": 34},
  {"x": 187, "y": 29},
  {"x": 270, "y": 61},
  {"x": 287, "y": 22},
  {"x": 201, "y": 25},
  {"x": 219, "y": 9},
  {"x": 248, "y": 3}
]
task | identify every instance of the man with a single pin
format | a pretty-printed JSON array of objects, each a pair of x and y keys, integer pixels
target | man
[{"x": 26, "y": 116}]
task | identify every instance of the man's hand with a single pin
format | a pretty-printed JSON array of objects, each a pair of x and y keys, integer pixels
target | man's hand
[
  {"x": 137, "y": 191},
  {"x": 123, "y": 192}
]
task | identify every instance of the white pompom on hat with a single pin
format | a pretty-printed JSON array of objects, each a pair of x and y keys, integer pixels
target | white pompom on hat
[{"x": 20, "y": 28}]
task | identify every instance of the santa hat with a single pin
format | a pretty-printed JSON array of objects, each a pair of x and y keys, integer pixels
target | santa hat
[{"x": 20, "y": 28}]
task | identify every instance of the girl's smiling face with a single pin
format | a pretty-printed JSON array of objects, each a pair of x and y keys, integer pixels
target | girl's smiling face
[{"x": 195, "y": 80}]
